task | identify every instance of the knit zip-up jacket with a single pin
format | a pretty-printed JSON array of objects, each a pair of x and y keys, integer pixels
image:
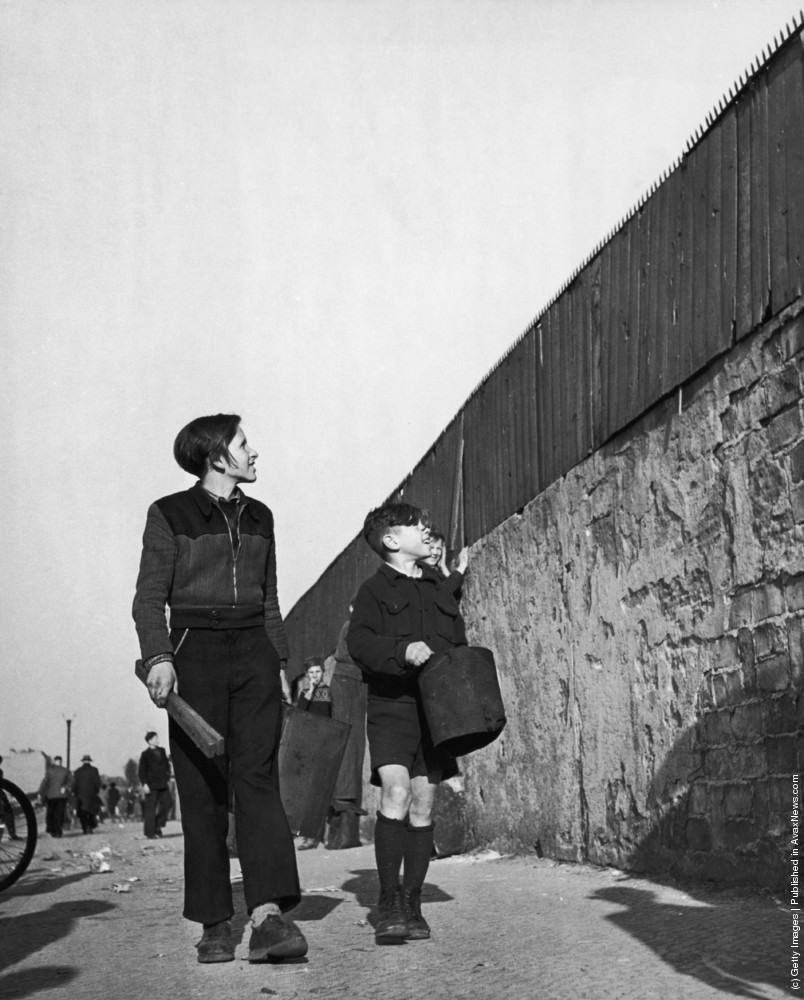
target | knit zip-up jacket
[{"x": 207, "y": 574}]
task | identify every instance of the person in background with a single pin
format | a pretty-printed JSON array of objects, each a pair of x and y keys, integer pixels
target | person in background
[
  {"x": 314, "y": 697},
  {"x": 113, "y": 801},
  {"x": 314, "y": 694},
  {"x": 349, "y": 693},
  {"x": 438, "y": 560},
  {"x": 86, "y": 787},
  {"x": 209, "y": 555},
  {"x": 53, "y": 792},
  {"x": 154, "y": 774}
]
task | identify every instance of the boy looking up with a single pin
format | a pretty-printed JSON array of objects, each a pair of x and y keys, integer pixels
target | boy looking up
[{"x": 402, "y": 616}]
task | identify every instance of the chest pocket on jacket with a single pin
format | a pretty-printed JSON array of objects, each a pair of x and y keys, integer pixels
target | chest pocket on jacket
[
  {"x": 446, "y": 617},
  {"x": 397, "y": 615}
]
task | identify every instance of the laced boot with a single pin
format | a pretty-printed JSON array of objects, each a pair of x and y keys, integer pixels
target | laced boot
[
  {"x": 391, "y": 928},
  {"x": 418, "y": 928}
]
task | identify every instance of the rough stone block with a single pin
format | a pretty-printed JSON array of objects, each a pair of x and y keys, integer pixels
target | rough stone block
[
  {"x": 773, "y": 673},
  {"x": 794, "y": 594},
  {"x": 789, "y": 340},
  {"x": 778, "y": 715},
  {"x": 745, "y": 646},
  {"x": 769, "y": 640},
  {"x": 739, "y": 799},
  {"x": 726, "y": 653},
  {"x": 797, "y": 463},
  {"x": 782, "y": 389},
  {"x": 739, "y": 835},
  {"x": 742, "y": 611},
  {"x": 698, "y": 834},
  {"x": 797, "y": 503},
  {"x": 727, "y": 688},
  {"x": 767, "y": 601},
  {"x": 781, "y": 754},
  {"x": 747, "y": 722},
  {"x": 784, "y": 428},
  {"x": 795, "y": 639}
]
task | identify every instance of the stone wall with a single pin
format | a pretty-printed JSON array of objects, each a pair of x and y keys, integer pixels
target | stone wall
[{"x": 646, "y": 613}]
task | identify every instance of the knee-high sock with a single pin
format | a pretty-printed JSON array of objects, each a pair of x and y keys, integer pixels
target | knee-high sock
[
  {"x": 418, "y": 850},
  {"x": 389, "y": 846}
]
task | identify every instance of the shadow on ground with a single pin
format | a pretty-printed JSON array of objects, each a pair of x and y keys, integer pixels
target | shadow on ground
[
  {"x": 33, "y": 932},
  {"x": 711, "y": 940},
  {"x": 365, "y": 888}
]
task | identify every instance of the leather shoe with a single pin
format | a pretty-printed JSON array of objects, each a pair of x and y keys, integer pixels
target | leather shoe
[
  {"x": 216, "y": 944},
  {"x": 418, "y": 928},
  {"x": 276, "y": 938},
  {"x": 391, "y": 926}
]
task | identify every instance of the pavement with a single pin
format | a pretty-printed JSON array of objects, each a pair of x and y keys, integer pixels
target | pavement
[{"x": 518, "y": 928}]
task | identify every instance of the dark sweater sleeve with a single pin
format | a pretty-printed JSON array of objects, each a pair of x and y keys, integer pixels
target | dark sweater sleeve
[
  {"x": 274, "y": 625},
  {"x": 153, "y": 584}
]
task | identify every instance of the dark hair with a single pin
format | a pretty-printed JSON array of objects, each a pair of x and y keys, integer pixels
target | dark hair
[
  {"x": 205, "y": 440},
  {"x": 389, "y": 515},
  {"x": 313, "y": 661},
  {"x": 149, "y": 735},
  {"x": 436, "y": 535}
]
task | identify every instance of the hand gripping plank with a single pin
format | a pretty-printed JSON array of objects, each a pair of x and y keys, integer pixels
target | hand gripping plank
[{"x": 208, "y": 740}]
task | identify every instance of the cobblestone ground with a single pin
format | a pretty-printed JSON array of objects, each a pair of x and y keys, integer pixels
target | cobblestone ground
[{"x": 503, "y": 927}]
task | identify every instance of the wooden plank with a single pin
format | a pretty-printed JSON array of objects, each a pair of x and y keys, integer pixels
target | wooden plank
[
  {"x": 699, "y": 270},
  {"x": 779, "y": 282},
  {"x": 686, "y": 311},
  {"x": 597, "y": 359},
  {"x": 793, "y": 100},
  {"x": 760, "y": 203},
  {"x": 728, "y": 226},
  {"x": 744, "y": 321},
  {"x": 713, "y": 340}
]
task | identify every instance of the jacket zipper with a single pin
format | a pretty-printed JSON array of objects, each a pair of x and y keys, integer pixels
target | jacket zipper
[{"x": 235, "y": 551}]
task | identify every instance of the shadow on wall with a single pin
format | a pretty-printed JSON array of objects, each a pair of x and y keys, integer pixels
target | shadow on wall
[{"x": 721, "y": 801}]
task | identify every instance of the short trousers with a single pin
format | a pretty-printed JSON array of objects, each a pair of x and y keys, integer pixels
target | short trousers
[{"x": 397, "y": 734}]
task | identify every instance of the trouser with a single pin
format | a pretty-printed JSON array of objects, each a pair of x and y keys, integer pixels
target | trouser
[
  {"x": 87, "y": 818},
  {"x": 231, "y": 677},
  {"x": 54, "y": 816},
  {"x": 155, "y": 810}
]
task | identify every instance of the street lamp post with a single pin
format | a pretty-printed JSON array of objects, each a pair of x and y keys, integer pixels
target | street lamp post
[{"x": 69, "y": 727}]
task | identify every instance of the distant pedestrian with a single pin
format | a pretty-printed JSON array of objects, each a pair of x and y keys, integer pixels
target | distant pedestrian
[
  {"x": 86, "y": 788},
  {"x": 53, "y": 792},
  {"x": 154, "y": 772},
  {"x": 113, "y": 801}
]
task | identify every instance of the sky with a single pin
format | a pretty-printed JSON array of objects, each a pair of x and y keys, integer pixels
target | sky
[{"x": 332, "y": 217}]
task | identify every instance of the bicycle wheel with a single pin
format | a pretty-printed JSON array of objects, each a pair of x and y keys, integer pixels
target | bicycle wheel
[{"x": 18, "y": 832}]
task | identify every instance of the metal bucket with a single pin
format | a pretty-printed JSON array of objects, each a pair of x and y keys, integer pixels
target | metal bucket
[
  {"x": 461, "y": 698},
  {"x": 310, "y": 752}
]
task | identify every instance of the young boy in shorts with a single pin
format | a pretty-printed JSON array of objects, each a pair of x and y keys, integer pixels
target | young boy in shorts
[{"x": 402, "y": 616}]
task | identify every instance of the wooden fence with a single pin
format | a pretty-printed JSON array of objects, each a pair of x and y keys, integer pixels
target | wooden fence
[{"x": 715, "y": 248}]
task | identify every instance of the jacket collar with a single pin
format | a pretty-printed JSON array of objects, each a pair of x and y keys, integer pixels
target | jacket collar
[
  {"x": 393, "y": 576},
  {"x": 207, "y": 504}
]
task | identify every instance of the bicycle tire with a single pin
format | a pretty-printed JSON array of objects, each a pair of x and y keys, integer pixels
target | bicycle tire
[{"x": 17, "y": 845}]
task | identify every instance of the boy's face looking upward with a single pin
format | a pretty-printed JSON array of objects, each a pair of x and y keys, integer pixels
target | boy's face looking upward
[{"x": 410, "y": 540}]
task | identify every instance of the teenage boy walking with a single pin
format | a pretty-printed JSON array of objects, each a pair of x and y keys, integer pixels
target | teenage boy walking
[
  {"x": 209, "y": 555},
  {"x": 402, "y": 616}
]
